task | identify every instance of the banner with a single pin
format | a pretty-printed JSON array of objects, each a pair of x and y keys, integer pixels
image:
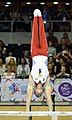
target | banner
[
  {"x": 16, "y": 90},
  {"x": 63, "y": 89}
]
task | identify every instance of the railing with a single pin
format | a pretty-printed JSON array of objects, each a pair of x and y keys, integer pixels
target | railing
[
  {"x": 21, "y": 26},
  {"x": 16, "y": 30},
  {"x": 15, "y": 26}
]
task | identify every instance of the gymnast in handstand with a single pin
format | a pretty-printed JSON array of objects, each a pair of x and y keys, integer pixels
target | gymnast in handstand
[{"x": 39, "y": 80}]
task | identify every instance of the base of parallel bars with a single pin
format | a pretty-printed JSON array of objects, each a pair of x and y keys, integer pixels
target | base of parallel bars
[{"x": 54, "y": 118}]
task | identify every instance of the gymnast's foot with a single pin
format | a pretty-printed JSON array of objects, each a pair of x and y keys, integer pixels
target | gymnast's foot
[{"x": 37, "y": 12}]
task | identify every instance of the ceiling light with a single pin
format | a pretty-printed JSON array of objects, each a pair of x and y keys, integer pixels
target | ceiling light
[
  {"x": 28, "y": 3},
  {"x": 67, "y": 3},
  {"x": 55, "y": 2},
  {"x": 42, "y": 3},
  {"x": 8, "y": 3}
]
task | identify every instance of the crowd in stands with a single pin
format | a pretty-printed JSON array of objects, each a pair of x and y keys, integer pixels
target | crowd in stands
[
  {"x": 60, "y": 56},
  {"x": 21, "y": 19},
  {"x": 56, "y": 12},
  {"x": 16, "y": 62}
]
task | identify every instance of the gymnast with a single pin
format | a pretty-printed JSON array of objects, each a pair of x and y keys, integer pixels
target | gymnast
[{"x": 39, "y": 80}]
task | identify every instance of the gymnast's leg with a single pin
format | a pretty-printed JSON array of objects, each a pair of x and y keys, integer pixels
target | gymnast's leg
[
  {"x": 48, "y": 93},
  {"x": 34, "y": 40},
  {"x": 43, "y": 41},
  {"x": 39, "y": 44},
  {"x": 29, "y": 92}
]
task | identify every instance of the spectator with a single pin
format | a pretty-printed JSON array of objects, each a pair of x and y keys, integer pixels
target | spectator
[
  {"x": 63, "y": 73},
  {"x": 50, "y": 68},
  {"x": 4, "y": 54},
  {"x": 30, "y": 62},
  {"x": 18, "y": 17},
  {"x": 8, "y": 74},
  {"x": 51, "y": 50},
  {"x": 12, "y": 63},
  {"x": 18, "y": 23},
  {"x": 67, "y": 41},
  {"x": 2, "y": 46},
  {"x": 52, "y": 38},
  {"x": 66, "y": 38},
  {"x": 59, "y": 62},
  {"x": 11, "y": 16},
  {"x": 54, "y": 12},
  {"x": 2, "y": 67},
  {"x": 46, "y": 14},
  {"x": 15, "y": 15},
  {"x": 62, "y": 46},
  {"x": 67, "y": 58},
  {"x": 63, "y": 14},
  {"x": 10, "y": 55},
  {"x": 51, "y": 60},
  {"x": 26, "y": 56},
  {"x": 65, "y": 54},
  {"x": 23, "y": 69}
]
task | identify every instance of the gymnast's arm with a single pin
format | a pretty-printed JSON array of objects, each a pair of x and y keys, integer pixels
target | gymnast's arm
[
  {"x": 48, "y": 91},
  {"x": 29, "y": 92}
]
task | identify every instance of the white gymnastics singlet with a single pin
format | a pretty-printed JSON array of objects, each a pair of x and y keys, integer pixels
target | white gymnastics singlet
[{"x": 39, "y": 70}]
